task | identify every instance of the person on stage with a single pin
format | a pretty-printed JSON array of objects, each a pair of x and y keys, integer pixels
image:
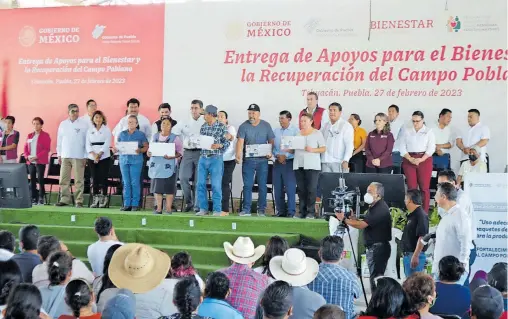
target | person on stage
[
  {"x": 165, "y": 113},
  {"x": 252, "y": 132},
  {"x": 10, "y": 141},
  {"x": 445, "y": 139},
  {"x": 131, "y": 166},
  {"x": 162, "y": 169},
  {"x": 211, "y": 162},
  {"x": 37, "y": 147},
  {"x": 379, "y": 147},
  {"x": 229, "y": 161},
  {"x": 416, "y": 147},
  {"x": 319, "y": 114},
  {"x": 359, "y": 140},
  {"x": 98, "y": 141},
  {"x": 397, "y": 130},
  {"x": 377, "y": 231},
  {"x": 307, "y": 166},
  {"x": 133, "y": 106},
  {"x": 91, "y": 107}
]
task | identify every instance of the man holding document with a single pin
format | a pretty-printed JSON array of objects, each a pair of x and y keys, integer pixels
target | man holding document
[{"x": 213, "y": 143}]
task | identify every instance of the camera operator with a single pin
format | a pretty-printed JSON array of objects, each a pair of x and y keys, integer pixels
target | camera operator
[{"x": 377, "y": 226}]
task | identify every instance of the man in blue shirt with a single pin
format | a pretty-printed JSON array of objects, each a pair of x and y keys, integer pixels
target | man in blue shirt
[
  {"x": 28, "y": 259},
  {"x": 215, "y": 305},
  {"x": 211, "y": 162},
  {"x": 284, "y": 181}
]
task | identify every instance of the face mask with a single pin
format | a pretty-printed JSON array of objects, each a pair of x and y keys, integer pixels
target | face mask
[
  {"x": 441, "y": 211},
  {"x": 368, "y": 198},
  {"x": 473, "y": 158}
]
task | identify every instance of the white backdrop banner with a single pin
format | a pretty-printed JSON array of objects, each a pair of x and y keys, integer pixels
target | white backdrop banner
[{"x": 489, "y": 197}]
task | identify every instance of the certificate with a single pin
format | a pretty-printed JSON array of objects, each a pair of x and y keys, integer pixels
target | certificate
[
  {"x": 205, "y": 142},
  {"x": 161, "y": 149},
  {"x": 258, "y": 150},
  {"x": 127, "y": 148},
  {"x": 292, "y": 143}
]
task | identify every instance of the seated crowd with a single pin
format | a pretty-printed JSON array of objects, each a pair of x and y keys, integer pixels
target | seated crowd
[{"x": 132, "y": 280}]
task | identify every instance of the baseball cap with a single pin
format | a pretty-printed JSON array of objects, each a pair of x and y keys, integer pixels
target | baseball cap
[
  {"x": 121, "y": 306},
  {"x": 254, "y": 107},
  {"x": 487, "y": 302},
  {"x": 210, "y": 109},
  {"x": 497, "y": 277}
]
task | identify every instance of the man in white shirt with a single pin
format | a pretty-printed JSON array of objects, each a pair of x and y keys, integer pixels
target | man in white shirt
[
  {"x": 97, "y": 251},
  {"x": 133, "y": 109},
  {"x": 319, "y": 114},
  {"x": 71, "y": 151},
  {"x": 188, "y": 130},
  {"x": 7, "y": 245},
  {"x": 396, "y": 128},
  {"x": 477, "y": 134},
  {"x": 453, "y": 234},
  {"x": 339, "y": 136},
  {"x": 444, "y": 140},
  {"x": 91, "y": 107},
  {"x": 466, "y": 205}
]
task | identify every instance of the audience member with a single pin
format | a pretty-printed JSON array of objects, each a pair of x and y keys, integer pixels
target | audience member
[
  {"x": 141, "y": 269},
  {"x": 276, "y": 246},
  {"x": 497, "y": 279},
  {"x": 25, "y": 302},
  {"x": 7, "y": 245},
  {"x": 187, "y": 298},
  {"x": 107, "y": 238},
  {"x": 10, "y": 278},
  {"x": 36, "y": 151},
  {"x": 215, "y": 305},
  {"x": 454, "y": 298},
  {"x": 359, "y": 140},
  {"x": 486, "y": 303},
  {"x": 103, "y": 283},
  {"x": 277, "y": 301},
  {"x": 53, "y": 296},
  {"x": 298, "y": 270},
  {"x": 181, "y": 267},
  {"x": 335, "y": 283},
  {"x": 28, "y": 258},
  {"x": 48, "y": 245},
  {"x": 421, "y": 293},
  {"x": 80, "y": 298},
  {"x": 246, "y": 284},
  {"x": 388, "y": 301},
  {"x": 121, "y": 306},
  {"x": 329, "y": 312},
  {"x": 479, "y": 279}
]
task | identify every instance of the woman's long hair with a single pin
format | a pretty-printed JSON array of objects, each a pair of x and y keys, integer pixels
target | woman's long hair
[
  {"x": 276, "y": 246},
  {"x": 59, "y": 267},
  {"x": 181, "y": 266},
  {"x": 78, "y": 295},
  {"x": 386, "y": 128},
  {"x": 105, "y": 281},
  {"x": 389, "y": 300},
  {"x": 24, "y": 302},
  {"x": 10, "y": 278},
  {"x": 187, "y": 297}
]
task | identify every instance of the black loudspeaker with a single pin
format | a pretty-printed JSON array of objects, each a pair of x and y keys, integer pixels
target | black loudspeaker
[{"x": 309, "y": 246}]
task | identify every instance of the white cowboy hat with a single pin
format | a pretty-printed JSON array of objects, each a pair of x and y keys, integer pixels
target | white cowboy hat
[
  {"x": 139, "y": 268},
  {"x": 294, "y": 268},
  {"x": 243, "y": 251}
]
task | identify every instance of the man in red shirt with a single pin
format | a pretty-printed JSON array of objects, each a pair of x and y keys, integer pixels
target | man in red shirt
[{"x": 320, "y": 115}]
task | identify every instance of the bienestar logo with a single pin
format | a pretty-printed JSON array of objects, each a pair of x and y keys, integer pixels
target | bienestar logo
[{"x": 402, "y": 24}]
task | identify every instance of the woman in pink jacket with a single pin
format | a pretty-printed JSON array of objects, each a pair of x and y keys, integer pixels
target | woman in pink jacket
[{"x": 37, "y": 147}]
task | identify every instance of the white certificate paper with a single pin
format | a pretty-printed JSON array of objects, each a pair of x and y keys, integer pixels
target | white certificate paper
[
  {"x": 292, "y": 143},
  {"x": 205, "y": 142},
  {"x": 258, "y": 150},
  {"x": 161, "y": 149},
  {"x": 127, "y": 148}
]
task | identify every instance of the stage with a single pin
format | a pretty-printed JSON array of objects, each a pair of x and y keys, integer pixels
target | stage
[{"x": 202, "y": 237}]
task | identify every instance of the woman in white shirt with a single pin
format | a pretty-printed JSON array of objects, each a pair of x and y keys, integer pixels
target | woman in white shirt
[
  {"x": 307, "y": 166},
  {"x": 229, "y": 162},
  {"x": 98, "y": 141},
  {"x": 416, "y": 148}
]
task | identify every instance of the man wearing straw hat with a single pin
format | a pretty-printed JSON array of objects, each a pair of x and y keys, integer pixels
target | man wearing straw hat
[
  {"x": 142, "y": 269},
  {"x": 246, "y": 284},
  {"x": 298, "y": 270}
]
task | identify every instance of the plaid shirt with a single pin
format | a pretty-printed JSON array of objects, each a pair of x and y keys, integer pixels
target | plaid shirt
[
  {"x": 338, "y": 286},
  {"x": 246, "y": 288},
  {"x": 218, "y": 131}
]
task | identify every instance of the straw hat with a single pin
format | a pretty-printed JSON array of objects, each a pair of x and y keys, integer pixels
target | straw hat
[
  {"x": 294, "y": 268},
  {"x": 139, "y": 268},
  {"x": 243, "y": 251}
]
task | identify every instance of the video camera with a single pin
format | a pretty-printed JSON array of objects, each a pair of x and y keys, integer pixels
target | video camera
[{"x": 344, "y": 201}]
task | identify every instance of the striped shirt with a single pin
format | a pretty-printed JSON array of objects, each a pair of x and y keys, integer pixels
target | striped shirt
[{"x": 338, "y": 286}]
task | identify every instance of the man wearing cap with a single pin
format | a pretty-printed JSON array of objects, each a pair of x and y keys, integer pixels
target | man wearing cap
[
  {"x": 246, "y": 284},
  {"x": 486, "y": 303},
  {"x": 298, "y": 270},
  {"x": 211, "y": 163},
  {"x": 335, "y": 283},
  {"x": 252, "y": 132},
  {"x": 497, "y": 278},
  {"x": 188, "y": 130}
]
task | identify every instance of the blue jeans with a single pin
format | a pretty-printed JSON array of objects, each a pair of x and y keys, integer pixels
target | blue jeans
[
  {"x": 284, "y": 182},
  {"x": 406, "y": 259},
  {"x": 258, "y": 168},
  {"x": 441, "y": 162},
  {"x": 214, "y": 166},
  {"x": 131, "y": 180}
]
